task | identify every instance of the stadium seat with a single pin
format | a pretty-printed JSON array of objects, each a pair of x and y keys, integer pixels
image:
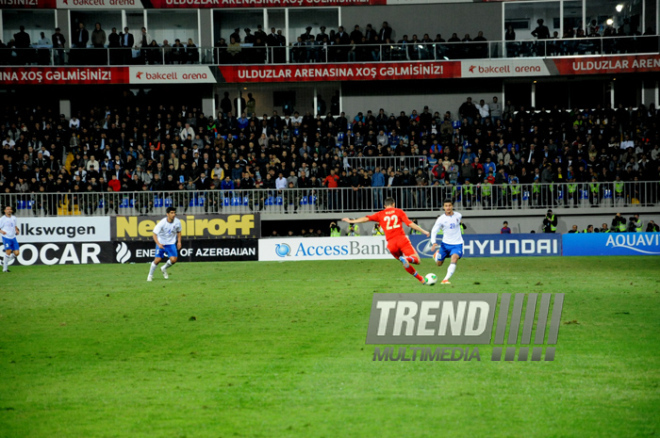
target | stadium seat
[
  {"x": 158, "y": 202},
  {"x": 525, "y": 199},
  {"x": 584, "y": 198},
  {"x": 167, "y": 202},
  {"x": 304, "y": 206},
  {"x": 607, "y": 198},
  {"x": 279, "y": 205}
]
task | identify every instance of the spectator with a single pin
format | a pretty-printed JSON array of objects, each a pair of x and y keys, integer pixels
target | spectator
[
  {"x": 234, "y": 50},
  {"x": 127, "y": 42},
  {"x": 98, "y": 37},
  {"x": 58, "y": 45},
  {"x": 192, "y": 52},
  {"x": 114, "y": 43},
  {"x": 22, "y": 44},
  {"x": 505, "y": 228},
  {"x": 80, "y": 36},
  {"x": 144, "y": 44},
  {"x": 43, "y": 53},
  {"x": 178, "y": 53},
  {"x": 484, "y": 110},
  {"x": 468, "y": 111}
]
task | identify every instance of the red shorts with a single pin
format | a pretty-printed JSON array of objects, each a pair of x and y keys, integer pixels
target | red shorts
[{"x": 400, "y": 246}]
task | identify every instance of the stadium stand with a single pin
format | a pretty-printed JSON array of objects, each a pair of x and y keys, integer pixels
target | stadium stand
[{"x": 116, "y": 161}]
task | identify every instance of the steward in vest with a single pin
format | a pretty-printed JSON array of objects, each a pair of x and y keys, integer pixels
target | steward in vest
[
  {"x": 414, "y": 231},
  {"x": 572, "y": 192},
  {"x": 549, "y": 223},
  {"x": 486, "y": 190},
  {"x": 468, "y": 193},
  {"x": 619, "y": 188},
  {"x": 515, "y": 192},
  {"x": 639, "y": 227},
  {"x": 335, "y": 231},
  {"x": 594, "y": 192},
  {"x": 536, "y": 192},
  {"x": 590, "y": 229},
  {"x": 377, "y": 231},
  {"x": 619, "y": 223}
]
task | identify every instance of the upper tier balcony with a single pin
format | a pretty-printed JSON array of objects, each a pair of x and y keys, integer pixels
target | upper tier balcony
[{"x": 313, "y": 52}]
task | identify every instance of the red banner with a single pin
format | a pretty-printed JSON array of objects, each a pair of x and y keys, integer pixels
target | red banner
[
  {"x": 28, "y": 4},
  {"x": 341, "y": 72},
  {"x": 222, "y": 4},
  {"x": 63, "y": 75},
  {"x": 595, "y": 65}
]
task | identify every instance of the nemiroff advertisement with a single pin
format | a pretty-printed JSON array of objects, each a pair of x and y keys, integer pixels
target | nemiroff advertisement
[{"x": 216, "y": 226}]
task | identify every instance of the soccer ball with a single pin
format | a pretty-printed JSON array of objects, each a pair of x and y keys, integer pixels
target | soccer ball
[{"x": 432, "y": 278}]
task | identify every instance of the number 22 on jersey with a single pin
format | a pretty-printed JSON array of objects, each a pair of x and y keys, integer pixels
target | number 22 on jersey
[{"x": 392, "y": 222}]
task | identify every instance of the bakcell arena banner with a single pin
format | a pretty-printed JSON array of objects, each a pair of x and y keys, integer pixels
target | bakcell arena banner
[
  {"x": 139, "y": 75},
  {"x": 478, "y": 68},
  {"x": 340, "y": 72},
  {"x": 320, "y": 72}
]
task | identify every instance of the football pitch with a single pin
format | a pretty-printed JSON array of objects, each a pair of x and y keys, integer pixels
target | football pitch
[{"x": 267, "y": 349}]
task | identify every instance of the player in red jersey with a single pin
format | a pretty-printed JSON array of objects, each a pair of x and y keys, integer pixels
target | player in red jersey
[{"x": 390, "y": 220}]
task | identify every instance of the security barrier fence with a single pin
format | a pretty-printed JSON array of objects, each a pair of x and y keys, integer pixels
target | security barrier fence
[{"x": 340, "y": 200}]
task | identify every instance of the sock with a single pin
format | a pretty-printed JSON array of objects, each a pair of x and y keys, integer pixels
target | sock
[
  {"x": 414, "y": 273},
  {"x": 168, "y": 264},
  {"x": 413, "y": 259},
  {"x": 450, "y": 271},
  {"x": 152, "y": 269},
  {"x": 5, "y": 263}
]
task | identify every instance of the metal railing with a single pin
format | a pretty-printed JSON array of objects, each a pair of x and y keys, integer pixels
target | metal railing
[
  {"x": 315, "y": 52},
  {"x": 628, "y": 195},
  {"x": 411, "y": 162}
]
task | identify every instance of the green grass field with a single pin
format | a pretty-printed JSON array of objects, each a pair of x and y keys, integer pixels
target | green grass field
[{"x": 278, "y": 349}]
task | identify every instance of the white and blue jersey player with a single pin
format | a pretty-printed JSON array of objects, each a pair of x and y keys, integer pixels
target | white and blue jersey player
[
  {"x": 9, "y": 231},
  {"x": 167, "y": 235},
  {"x": 452, "y": 239}
]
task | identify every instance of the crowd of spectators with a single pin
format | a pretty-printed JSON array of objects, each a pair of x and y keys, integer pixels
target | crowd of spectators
[
  {"x": 597, "y": 39},
  {"x": 158, "y": 148},
  {"x": 97, "y": 47},
  {"x": 361, "y": 44}
]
